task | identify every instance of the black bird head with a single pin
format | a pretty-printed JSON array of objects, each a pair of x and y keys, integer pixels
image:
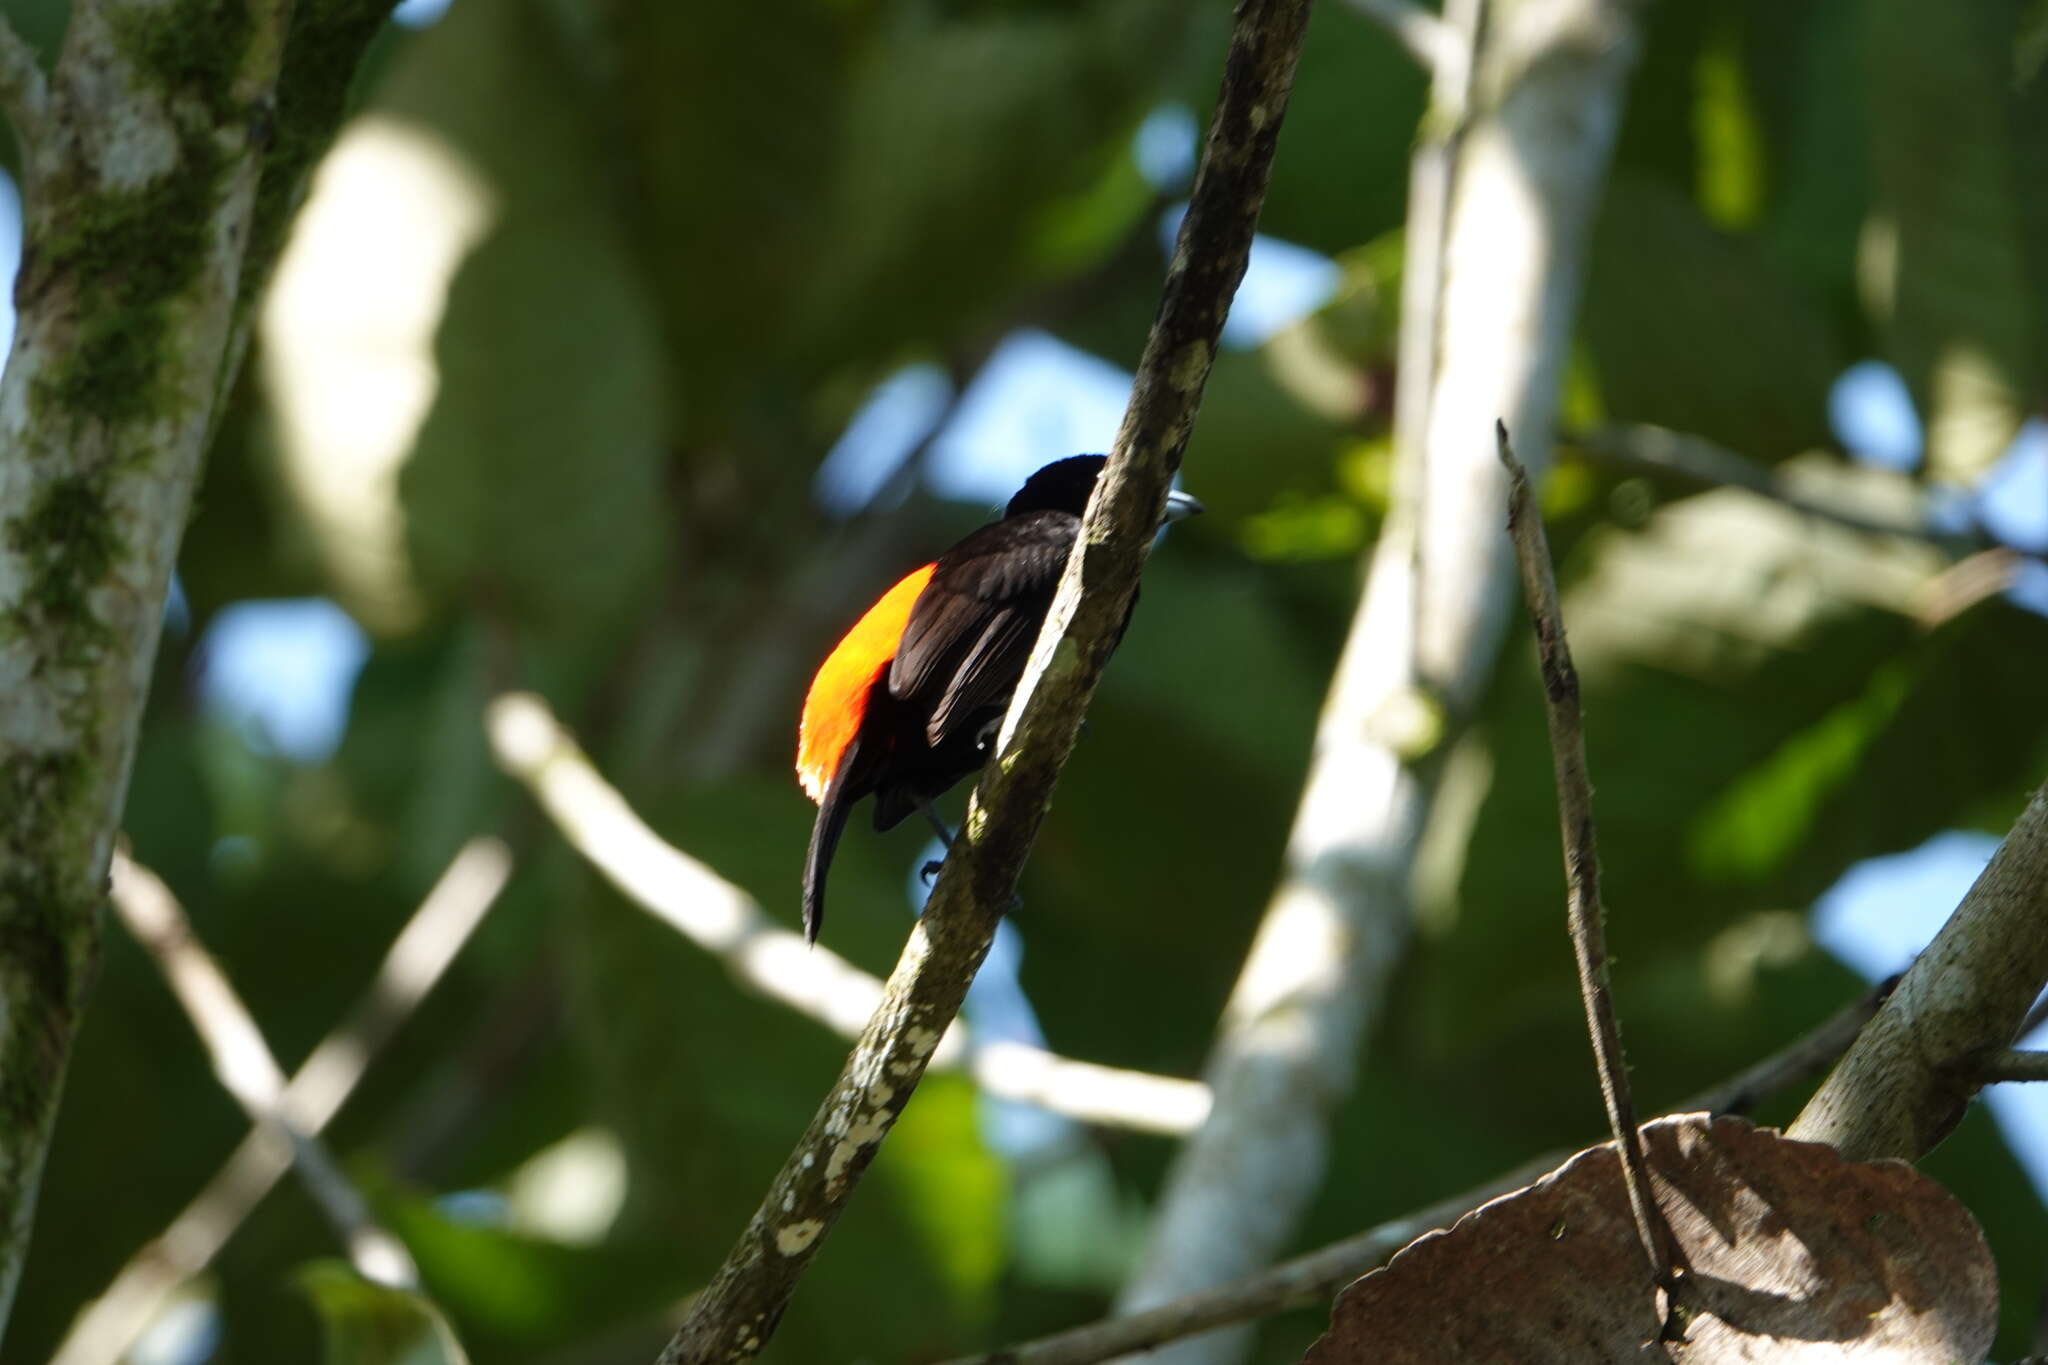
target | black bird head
[{"x": 1064, "y": 486}]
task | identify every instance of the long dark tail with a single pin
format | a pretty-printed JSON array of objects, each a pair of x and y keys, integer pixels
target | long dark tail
[{"x": 825, "y": 832}]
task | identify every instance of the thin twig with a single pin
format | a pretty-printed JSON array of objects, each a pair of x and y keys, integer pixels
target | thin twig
[
  {"x": 738, "y": 1310},
  {"x": 24, "y": 90},
  {"x": 1648, "y": 449},
  {"x": 763, "y": 957},
  {"x": 1335, "y": 928},
  {"x": 1297, "y": 1283},
  {"x": 1433, "y": 43},
  {"x": 1581, "y": 854},
  {"x": 1808, "y": 1057},
  {"x": 1965, "y": 583},
  {"x": 243, "y": 1063},
  {"x": 1318, "y": 1275},
  {"x": 2036, "y": 1017},
  {"x": 414, "y": 963},
  {"x": 2011, "y": 1064}
]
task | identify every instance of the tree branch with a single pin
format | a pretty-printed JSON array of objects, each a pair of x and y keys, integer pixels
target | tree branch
[
  {"x": 140, "y": 192},
  {"x": 765, "y": 958},
  {"x": 1584, "y": 912},
  {"x": 414, "y": 963},
  {"x": 1305, "y": 1280},
  {"x": 1654, "y": 450},
  {"x": 1516, "y": 175},
  {"x": 1808, "y": 1057},
  {"x": 24, "y": 92},
  {"x": 2011, "y": 1064},
  {"x": 2036, "y": 1017},
  {"x": 739, "y": 1309},
  {"x": 1317, "y": 1276},
  {"x": 1906, "y": 1082},
  {"x": 243, "y": 1064}
]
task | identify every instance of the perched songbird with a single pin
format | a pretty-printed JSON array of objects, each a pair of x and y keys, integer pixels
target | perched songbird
[{"x": 908, "y": 703}]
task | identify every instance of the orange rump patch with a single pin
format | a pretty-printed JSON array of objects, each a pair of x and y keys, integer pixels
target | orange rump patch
[{"x": 838, "y": 697}]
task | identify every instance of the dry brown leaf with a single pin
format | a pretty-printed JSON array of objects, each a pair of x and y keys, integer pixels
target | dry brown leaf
[{"x": 1796, "y": 1256}]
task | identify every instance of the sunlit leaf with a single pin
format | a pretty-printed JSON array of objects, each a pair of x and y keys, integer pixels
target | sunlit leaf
[{"x": 1954, "y": 261}]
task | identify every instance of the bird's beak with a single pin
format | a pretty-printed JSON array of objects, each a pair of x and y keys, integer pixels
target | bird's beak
[{"x": 1180, "y": 506}]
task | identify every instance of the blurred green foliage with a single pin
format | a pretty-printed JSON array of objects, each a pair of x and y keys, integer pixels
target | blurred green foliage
[{"x": 715, "y": 228}]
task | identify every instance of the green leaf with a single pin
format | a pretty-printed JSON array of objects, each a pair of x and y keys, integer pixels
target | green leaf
[
  {"x": 1351, "y": 119},
  {"x": 372, "y": 1324},
  {"x": 1955, "y": 259},
  {"x": 1814, "y": 141},
  {"x": 1696, "y": 330},
  {"x": 1766, "y": 815},
  {"x": 535, "y": 483},
  {"x": 967, "y": 137},
  {"x": 952, "y": 1188}
]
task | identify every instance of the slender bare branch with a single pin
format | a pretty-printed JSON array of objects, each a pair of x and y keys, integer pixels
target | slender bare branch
[
  {"x": 243, "y": 1063},
  {"x": 1318, "y": 1275},
  {"x": 1305, "y": 1280},
  {"x": 24, "y": 90},
  {"x": 1584, "y": 910},
  {"x": 1908, "y": 1079},
  {"x": 1808, "y": 1057},
  {"x": 738, "y": 1310},
  {"x": 1508, "y": 169},
  {"x": 2011, "y": 1064},
  {"x": 1965, "y": 583},
  {"x": 2036, "y": 1017},
  {"x": 1647, "y": 449},
  {"x": 772, "y": 961},
  {"x": 424, "y": 948},
  {"x": 1436, "y": 45}
]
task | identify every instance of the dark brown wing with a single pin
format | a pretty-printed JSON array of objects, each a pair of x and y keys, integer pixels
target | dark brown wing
[{"x": 971, "y": 632}]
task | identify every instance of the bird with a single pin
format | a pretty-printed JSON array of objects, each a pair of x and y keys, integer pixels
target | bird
[{"x": 909, "y": 700}]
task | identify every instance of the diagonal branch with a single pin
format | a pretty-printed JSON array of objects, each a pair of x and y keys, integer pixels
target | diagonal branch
[
  {"x": 739, "y": 1309},
  {"x": 1585, "y": 913},
  {"x": 774, "y": 962},
  {"x": 1313, "y": 1278},
  {"x": 1298, "y": 1283},
  {"x": 1802, "y": 1060},
  {"x": 1908, "y": 1079},
  {"x": 1648, "y": 449},
  {"x": 245, "y": 1067},
  {"x": 415, "y": 962},
  {"x": 24, "y": 91},
  {"x": 1507, "y": 172}
]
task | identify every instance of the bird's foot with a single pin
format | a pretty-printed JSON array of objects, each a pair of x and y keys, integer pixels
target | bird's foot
[{"x": 931, "y": 870}]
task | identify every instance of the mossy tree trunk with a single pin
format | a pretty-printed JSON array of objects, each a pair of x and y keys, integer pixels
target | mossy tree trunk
[{"x": 162, "y": 155}]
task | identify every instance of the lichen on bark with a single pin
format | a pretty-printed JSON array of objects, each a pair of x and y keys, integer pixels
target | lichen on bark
[{"x": 159, "y": 178}]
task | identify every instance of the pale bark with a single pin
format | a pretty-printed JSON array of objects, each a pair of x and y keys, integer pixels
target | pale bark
[
  {"x": 107, "y": 1327},
  {"x": 1530, "y": 163},
  {"x": 1910, "y": 1075},
  {"x": 160, "y": 158},
  {"x": 775, "y": 962}
]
